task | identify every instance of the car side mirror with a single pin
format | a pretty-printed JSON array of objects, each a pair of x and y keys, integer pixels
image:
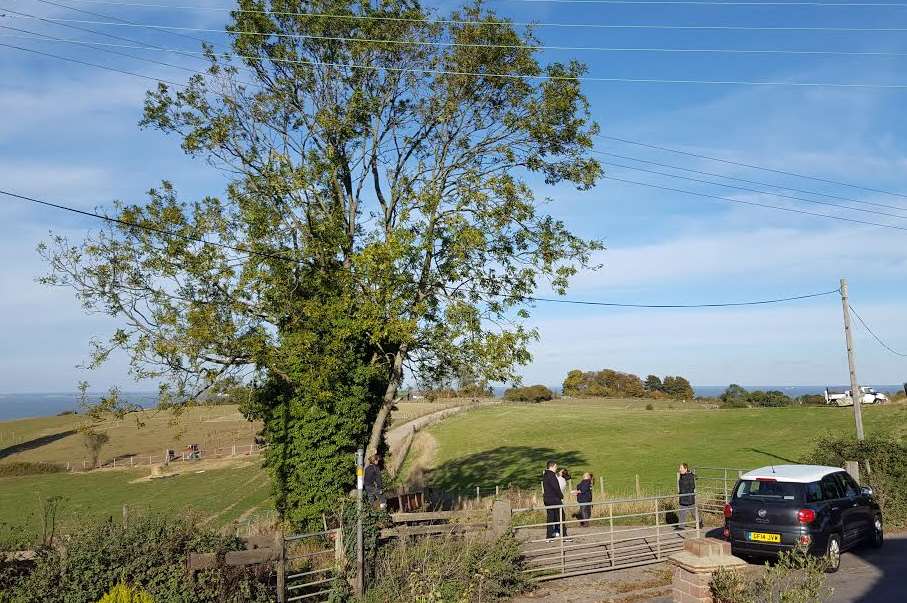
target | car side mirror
[{"x": 866, "y": 491}]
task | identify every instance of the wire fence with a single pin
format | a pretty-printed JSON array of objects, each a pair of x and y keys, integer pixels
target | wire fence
[{"x": 165, "y": 458}]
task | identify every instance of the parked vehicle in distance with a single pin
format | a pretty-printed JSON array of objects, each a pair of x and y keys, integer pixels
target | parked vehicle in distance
[
  {"x": 869, "y": 396},
  {"x": 776, "y": 508}
]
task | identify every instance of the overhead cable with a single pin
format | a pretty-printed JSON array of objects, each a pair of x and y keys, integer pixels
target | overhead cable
[
  {"x": 504, "y": 22},
  {"x": 752, "y": 166},
  {"x": 542, "y": 77},
  {"x": 761, "y": 192},
  {"x": 876, "y": 337},
  {"x": 202, "y": 241},
  {"x": 757, "y": 182},
  {"x": 756, "y": 204}
]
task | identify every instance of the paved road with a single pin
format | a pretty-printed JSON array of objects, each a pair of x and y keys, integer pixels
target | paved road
[{"x": 873, "y": 576}]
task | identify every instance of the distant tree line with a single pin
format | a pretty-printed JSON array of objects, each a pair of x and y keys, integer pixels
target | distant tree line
[
  {"x": 530, "y": 393},
  {"x": 608, "y": 383},
  {"x": 736, "y": 396}
]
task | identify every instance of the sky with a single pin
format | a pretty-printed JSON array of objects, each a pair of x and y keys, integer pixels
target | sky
[{"x": 69, "y": 133}]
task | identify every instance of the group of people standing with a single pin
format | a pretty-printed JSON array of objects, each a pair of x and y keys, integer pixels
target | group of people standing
[{"x": 554, "y": 489}]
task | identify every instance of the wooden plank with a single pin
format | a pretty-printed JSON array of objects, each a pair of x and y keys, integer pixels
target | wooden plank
[
  {"x": 434, "y": 516},
  {"x": 200, "y": 561},
  {"x": 455, "y": 528}
]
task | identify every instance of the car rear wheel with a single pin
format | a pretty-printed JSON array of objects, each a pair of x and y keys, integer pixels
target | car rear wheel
[
  {"x": 878, "y": 534},
  {"x": 833, "y": 553}
]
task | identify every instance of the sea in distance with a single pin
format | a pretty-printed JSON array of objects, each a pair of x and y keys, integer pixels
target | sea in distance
[{"x": 19, "y": 406}]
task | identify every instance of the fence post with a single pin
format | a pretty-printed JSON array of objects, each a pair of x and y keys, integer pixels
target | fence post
[
  {"x": 500, "y": 517},
  {"x": 132, "y": 461},
  {"x": 234, "y": 450},
  {"x": 601, "y": 485},
  {"x": 853, "y": 468},
  {"x": 125, "y": 516},
  {"x": 725, "y": 484},
  {"x": 696, "y": 517},
  {"x": 360, "y": 557},
  {"x": 281, "y": 546},
  {"x": 638, "y": 490},
  {"x": 657, "y": 532},
  {"x": 114, "y": 462},
  {"x": 478, "y": 495},
  {"x": 611, "y": 530},
  {"x": 563, "y": 537},
  {"x": 497, "y": 491}
]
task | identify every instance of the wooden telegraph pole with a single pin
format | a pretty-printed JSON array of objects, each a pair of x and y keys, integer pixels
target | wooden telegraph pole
[{"x": 855, "y": 393}]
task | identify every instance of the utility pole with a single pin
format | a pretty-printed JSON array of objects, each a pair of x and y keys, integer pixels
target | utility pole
[{"x": 855, "y": 393}]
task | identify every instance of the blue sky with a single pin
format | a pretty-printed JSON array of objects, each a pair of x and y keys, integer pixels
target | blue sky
[{"x": 69, "y": 133}]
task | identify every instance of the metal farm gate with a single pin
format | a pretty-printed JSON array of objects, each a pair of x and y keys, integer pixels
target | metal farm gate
[
  {"x": 620, "y": 533},
  {"x": 308, "y": 565}
]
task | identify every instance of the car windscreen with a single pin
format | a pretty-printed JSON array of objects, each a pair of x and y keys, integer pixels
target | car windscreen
[{"x": 769, "y": 490}]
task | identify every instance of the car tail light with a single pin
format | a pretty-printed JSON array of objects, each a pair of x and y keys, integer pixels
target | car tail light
[
  {"x": 806, "y": 516},
  {"x": 726, "y": 533},
  {"x": 728, "y": 510},
  {"x": 766, "y": 479},
  {"x": 805, "y": 539}
]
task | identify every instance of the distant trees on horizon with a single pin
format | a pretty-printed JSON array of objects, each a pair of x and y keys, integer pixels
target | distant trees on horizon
[{"x": 609, "y": 383}]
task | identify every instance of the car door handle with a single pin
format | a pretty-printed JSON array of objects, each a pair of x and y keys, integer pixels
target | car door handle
[{"x": 835, "y": 508}]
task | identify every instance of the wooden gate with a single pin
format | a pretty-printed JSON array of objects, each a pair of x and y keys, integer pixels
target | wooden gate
[{"x": 620, "y": 533}]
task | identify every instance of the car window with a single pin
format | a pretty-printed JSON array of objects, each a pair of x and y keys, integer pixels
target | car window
[
  {"x": 813, "y": 492},
  {"x": 848, "y": 486},
  {"x": 768, "y": 490},
  {"x": 830, "y": 488}
]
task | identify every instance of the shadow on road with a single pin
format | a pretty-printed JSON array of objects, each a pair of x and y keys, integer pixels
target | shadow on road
[
  {"x": 880, "y": 575},
  {"x": 520, "y": 466},
  {"x": 35, "y": 443}
]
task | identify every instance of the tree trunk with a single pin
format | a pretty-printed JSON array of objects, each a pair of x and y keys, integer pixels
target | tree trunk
[{"x": 390, "y": 398}]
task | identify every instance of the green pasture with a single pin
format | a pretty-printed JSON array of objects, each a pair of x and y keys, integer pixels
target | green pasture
[
  {"x": 619, "y": 439},
  {"x": 222, "y": 494}
]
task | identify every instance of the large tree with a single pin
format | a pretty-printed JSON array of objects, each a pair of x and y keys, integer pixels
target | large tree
[{"x": 379, "y": 218}]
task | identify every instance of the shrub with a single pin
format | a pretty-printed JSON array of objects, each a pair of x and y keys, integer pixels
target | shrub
[
  {"x": 797, "y": 577},
  {"x": 150, "y": 552},
  {"x": 122, "y": 593},
  {"x": 649, "y": 407},
  {"x": 532, "y": 393},
  {"x": 64, "y": 413},
  {"x": 449, "y": 569},
  {"x": 887, "y": 458},
  {"x": 26, "y": 468}
]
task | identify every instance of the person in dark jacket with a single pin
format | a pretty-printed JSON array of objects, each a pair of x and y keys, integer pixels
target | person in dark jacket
[
  {"x": 686, "y": 487},
  {"x": 584, "y": 498},
  {"x": 552, "y": 497},
  {"x": 372, "y": 483}
]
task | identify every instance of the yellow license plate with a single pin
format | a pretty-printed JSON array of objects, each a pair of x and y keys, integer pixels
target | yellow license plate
[{"x": 765, "y": 537}]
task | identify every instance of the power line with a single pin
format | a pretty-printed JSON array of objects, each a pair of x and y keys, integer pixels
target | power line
[
  {"x": 876, "y": 337},
  {"x": 656, "y": 26},
  {"x": 757, "y": 182},
  {"x": 146, "y": 227},
  {"x": 543, "y": 77},
  {"x": 287, "y": 259},
  {"x": 761, "y": 192},
  {"x": 660, "y": 3},
  {"x": 752, "y": 166},
  {"x": 757, "y": 204},
  {"x": 628, "y": 49}
]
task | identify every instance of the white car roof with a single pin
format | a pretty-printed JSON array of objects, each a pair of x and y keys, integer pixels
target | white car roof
[{"x": 802, "y": 474}]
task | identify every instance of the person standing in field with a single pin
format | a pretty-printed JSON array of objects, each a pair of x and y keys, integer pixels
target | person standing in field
[
  {"x": 686, "y": 487},
  {"x": 372, "y": 483},
  {"x": 553, "y": 498},
  {"x": 563, "y": 476},
  {"x": 584, "y": 498}
]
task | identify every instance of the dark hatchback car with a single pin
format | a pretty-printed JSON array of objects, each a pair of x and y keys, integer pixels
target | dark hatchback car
[{"x": 822, "y": 508}]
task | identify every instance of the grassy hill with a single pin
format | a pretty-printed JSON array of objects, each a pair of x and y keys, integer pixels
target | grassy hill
[{"x": 620, "y": 438}]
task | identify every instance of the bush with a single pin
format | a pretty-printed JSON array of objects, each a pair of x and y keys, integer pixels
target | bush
[
  {"x": 649, "y": 407},
  {"x": 888, "y": 460},
  {"x": 449, "y": 569},
  {"x": 149, "y": 553},
  {"x": 64, "y": 413},
  {"x": 797, "y": 577},
  {"x": 532, "y": 393},
  {"x": 26, "y": 468},
  {"x": 122, "y": 593}
]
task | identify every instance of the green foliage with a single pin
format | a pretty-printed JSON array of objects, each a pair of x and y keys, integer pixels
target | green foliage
[
  {"x": 531, "y": 393},
  {"x": 94, "y": 441},
  {"x": 19, "y": 468},
  {"x": 797, "y": 577},
  {"x": 608, "y": 383},
  {"x": 360, "y": 234},
  {"x": 736, "y": 396},
  {"x": 149, "y": 553},
  {"x": 650, "y": 407},
  {"x": 811, "y": 400},
  {"x": 886, "y": 456},
  {"x": 470, "y": 569},
  {"x": 122, "y": 593}
]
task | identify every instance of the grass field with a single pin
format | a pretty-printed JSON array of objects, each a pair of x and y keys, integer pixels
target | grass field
[
  {"x": 509, "y": 444},
  {"x": 222, "y": 494}
]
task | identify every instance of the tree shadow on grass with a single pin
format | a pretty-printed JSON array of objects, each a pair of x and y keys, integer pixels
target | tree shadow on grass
[
  {"x": 35, "y": 443},
  {"x": 772, "y": 455},
  {"x": 519, "y": 466}
]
